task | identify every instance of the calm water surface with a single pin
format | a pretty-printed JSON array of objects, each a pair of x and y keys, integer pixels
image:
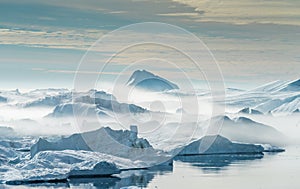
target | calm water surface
[{"x": 280, "y": 170}]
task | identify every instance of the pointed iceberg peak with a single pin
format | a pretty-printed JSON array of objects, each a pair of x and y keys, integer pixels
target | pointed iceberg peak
[
  {"x": 140, "y": 75},
  {"x": 149, "y": 81}
]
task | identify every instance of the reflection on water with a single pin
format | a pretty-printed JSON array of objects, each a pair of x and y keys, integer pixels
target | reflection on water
[
  {"x": 139, "y": 178},
  {"x": 217, "y": 162},
  {"x": 101, "y": 182}
]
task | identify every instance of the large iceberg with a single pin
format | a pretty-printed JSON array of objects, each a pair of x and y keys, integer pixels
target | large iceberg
[
  {"x": 97, "y": 103},
  {"x": 105, "y": 140},
  {"x": 111, "y": 105},
  {"x": 245, "y": 130},
  {"x": 49, "y": 101},
  {"x": 68, "y": 109},
  {"x": 49, "y": 166},
  {"x": 216, "y": 144},
  {"x": 147, "y": 80},
  {"x": 102, "y": 152}
]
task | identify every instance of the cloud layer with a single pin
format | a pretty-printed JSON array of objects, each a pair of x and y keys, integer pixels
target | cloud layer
[{"x": 247, "y": 11}]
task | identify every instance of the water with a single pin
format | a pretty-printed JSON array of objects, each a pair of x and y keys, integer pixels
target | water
[{"x": 273, "y": 170}]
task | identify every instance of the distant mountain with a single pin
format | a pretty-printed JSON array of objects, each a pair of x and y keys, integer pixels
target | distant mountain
[{"x": 147, "y": 80}]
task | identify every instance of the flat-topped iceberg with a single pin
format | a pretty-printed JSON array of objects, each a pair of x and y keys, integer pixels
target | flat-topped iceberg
[
  {"x": 216, "y": 144},
  {"x": 121, "y": 143}
]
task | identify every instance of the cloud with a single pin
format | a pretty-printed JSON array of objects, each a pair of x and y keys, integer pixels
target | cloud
[
  {"x": 79, "y": 39},
  {"x": 249, "y": 37},
  {"x": 180, "y": 14},
  {"x": 286, "y": 12}
]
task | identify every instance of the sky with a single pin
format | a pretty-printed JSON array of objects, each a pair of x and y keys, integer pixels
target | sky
[{"x": 42, "y": 42}]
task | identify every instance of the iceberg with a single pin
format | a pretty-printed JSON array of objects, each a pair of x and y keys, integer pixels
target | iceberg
[
  {"x": 110, "y": 152},
  {"x": 122, "y": 143},
  {"x": 219, "y": 145},
  {"x": 6, "y": 132},
  {"x": 101, "y": 95},
  {"x": 245, "y": 130},
  {"x": 49, "y": 166},
  {"x": 292, "y": 86},
  {"x": 48, "y": 101},
  {"x": 68, "y": 109},
  {"x": 147, "y": 80},
  {"x": 280, "y": 86},
  {"x": 7, "y": 154},
  {"x": 288, "y": 107},
  {"x": 276, "y": 98},
  {"x": 90, "y": 106},
  {"x": 270, "y": 148},
  {"x": 3, "y": 99},
  {"x": 250, "y": 111}
]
